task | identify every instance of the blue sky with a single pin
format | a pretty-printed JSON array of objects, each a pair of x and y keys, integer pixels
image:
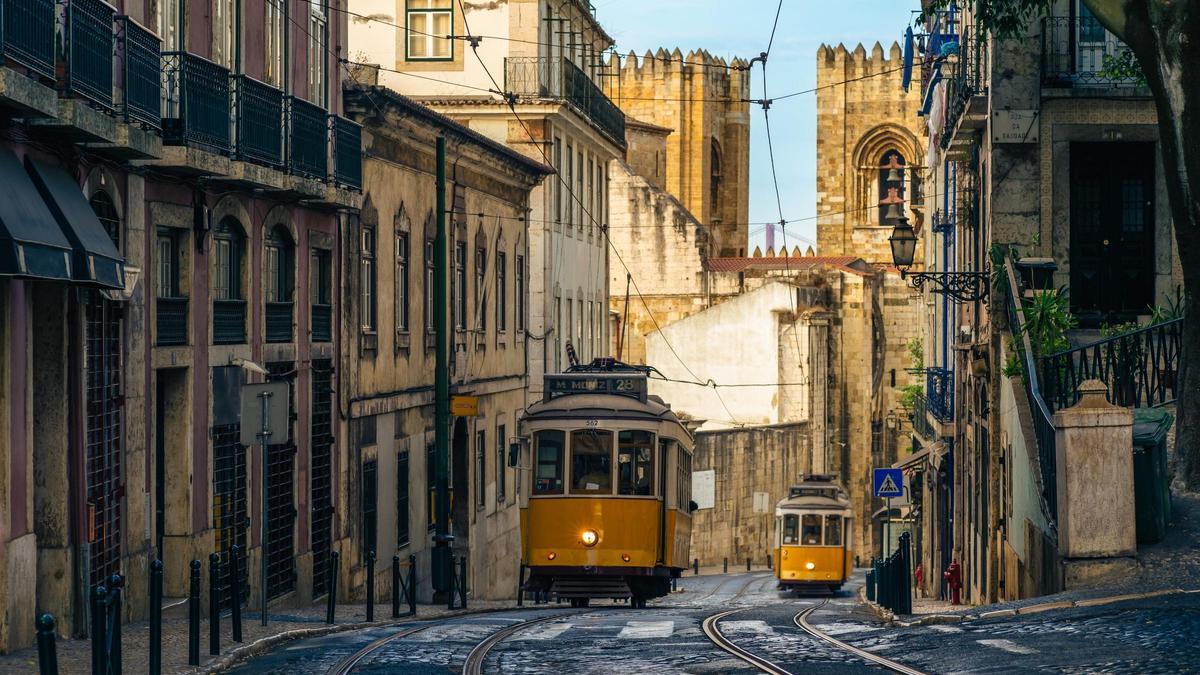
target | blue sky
[{"x": 742, "y": 29}]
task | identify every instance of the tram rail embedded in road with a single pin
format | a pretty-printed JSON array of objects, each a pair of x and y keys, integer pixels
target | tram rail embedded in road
[
  {"x": 713, "y": 632},
  {"x": 801, "y": 621}
]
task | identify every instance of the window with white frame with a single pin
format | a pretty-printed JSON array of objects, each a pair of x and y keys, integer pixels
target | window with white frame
[
  {"x": 580, "y": 204},
  {"x": 224, "y": 29},
  {"x": 558, "y": 182},
  {"x": 570, "y": 182},
  {"x": 401, "y": 282},
  {"x": 367, "y": 279},
  {"x": 430, "y": 30},
  {"x": 501, "y": 464},
  {"x": 480, "y": 290},
  {"x": 318, "y": 38},
  {"x": 273, "y": 43},
  {"x": 168, "y": 25}
]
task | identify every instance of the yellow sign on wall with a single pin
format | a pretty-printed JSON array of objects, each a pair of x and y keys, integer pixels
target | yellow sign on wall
[{"x": 464, "y": 406}]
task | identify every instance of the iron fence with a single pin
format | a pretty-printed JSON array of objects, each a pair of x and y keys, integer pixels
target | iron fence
[
  {"x": 258, "y": 121},
  {"x": 281, "y": 514},
  {"x": 965, "y": 76},
  {"x": 279, "y": 322},
  {"x": 556, "y": 77},
  {"x": 347, "y": 152},
  {"x": 939, "y": 390},
  {"x": 1080, "y": 52},
  {"x": 89, "y": 50},
  {"x": 28, "y": 34},
  {"x": 231, "y": 519},
  {"x": 307, "y": 139},
  {"x": 1140, "y": 368},
  {"x": 171, "y": 321},
  {"x": 195, "y": 108},
  {"x": 321, "y": 481},
  {"x": 141, "y": 83},
  {"x": 229, "y": 322}
]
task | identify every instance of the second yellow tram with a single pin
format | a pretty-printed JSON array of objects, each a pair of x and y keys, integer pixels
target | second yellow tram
[{"x": 813, "y": 548}]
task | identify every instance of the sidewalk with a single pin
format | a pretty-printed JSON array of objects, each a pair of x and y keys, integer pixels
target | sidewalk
[{"x": 74, "y": 656}]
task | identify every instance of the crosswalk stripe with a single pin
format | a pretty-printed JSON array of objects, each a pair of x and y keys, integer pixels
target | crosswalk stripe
[
  {"x": 546, "y": 631},
  {"x": 760, "y": 627},
  {"x": 1008, "y": 646},
  {"x": 641, "y": 630},
  {"x": 946, "y": 629}
]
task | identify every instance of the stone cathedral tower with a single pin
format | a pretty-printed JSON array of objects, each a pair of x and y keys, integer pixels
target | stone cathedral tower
[
  {"x": 864, "y": 116},
  {"x": 701, "y": 100}
]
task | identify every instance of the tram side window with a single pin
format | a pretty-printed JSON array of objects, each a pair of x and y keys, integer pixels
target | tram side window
[
  {"x": 833, "y": 530},
  {"x": 790, "y": 521},
  {"x": 685, "y": 480},
  {"x": 635, "y": 463},
  {"x": 810, "y": 529},
  {"x": 591, "y": 462},
  {"x": 548, "y": 479}
]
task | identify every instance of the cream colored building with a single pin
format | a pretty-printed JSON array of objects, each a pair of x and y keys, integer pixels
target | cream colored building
[{"x": 549, "y": 56}]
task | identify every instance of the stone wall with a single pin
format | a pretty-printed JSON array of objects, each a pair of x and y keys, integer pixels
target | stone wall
[{"x": 745, "y": 461}]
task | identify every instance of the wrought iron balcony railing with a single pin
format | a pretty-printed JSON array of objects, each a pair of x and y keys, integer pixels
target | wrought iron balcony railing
[
  {"x": 171, "y": 321},
  {"x": 558, "y": 78},
  {"x": 322, "y": 323},
  {"x": 965, "y": 75},
  {"x": 347, "y": 152},
  {"x": 1079, "y": 52},
  {"x": 920, "y": 418},
  {"x": 229, "y": 322},
  {"x": 196, "y": 106},
  {"x": 308, "y": 139},
  {"x": 141, "y": 81},
  {"x": 257, "y": 110},
  {"x": 28, "y": 34},
  {"x": 279, "y": 322},
  {"x": 89, "y": 51},
  {"x": 939, "y": 390}
]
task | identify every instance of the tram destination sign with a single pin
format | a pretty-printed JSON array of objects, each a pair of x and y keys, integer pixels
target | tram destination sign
[{"x": 618, "y": 384}]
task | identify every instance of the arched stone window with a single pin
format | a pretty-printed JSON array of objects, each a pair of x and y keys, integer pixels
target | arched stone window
[
  {"x": 106, "y": 212},
  {"x": 883, "y": 181},
  {"x": 229, "y": 301},
  {"x": 714, "y": 183}
]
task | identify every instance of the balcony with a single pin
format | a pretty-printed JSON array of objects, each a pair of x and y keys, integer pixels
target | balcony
[
  {"x": 279, "y": 322},
  {"x": 920, "y": 419},
  {"x": 141, "y": 92},
  {"x": 939, "y": 388},
  {"x": 229, "y": 322},
  {"x": 558, "y": 78},
  {"x": 196, "y": 107},
  {"x": 347, "y": 153},
  {"x": 172, "y": 321},
  {"x": 89, "y": 51},
  {"x": 322, "y": 323},
  {"x": 257, "y": 111},
  {"x": 965, "y": 76},
  {"x": 308, "y": 135},
  {"x": 1080, "y": 53},
  {"x": 28, "y": 35}
]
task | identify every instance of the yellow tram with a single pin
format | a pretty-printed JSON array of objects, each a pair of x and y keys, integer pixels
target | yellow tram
[
  {"x": 608, "y": 512},
  {"x": 813, "y": 547}
]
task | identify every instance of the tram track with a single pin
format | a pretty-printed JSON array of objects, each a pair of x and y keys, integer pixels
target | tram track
[
  {"x": 713, "y": 633},
  {"x": 801, "y": 621}
]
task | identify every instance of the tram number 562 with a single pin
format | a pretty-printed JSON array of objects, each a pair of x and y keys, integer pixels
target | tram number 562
[{"x": 592, "y": 423}]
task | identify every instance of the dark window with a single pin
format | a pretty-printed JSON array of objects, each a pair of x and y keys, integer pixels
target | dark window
[
  {"x": 884, "y": 185},
  {"x": 368, "y": 507},
  {"x": 501, "y": 291},
  {"x": 480, "y": 466},
  {"x": 367, "y": 434},
  {"x": 367, "y": 279},
  {"x": 227, "y": 261},
  {"x": 277, "y": 266},
  {"x": 714, "y": 182},
  {"x": 106, "y": 213},
  {"x": 429, "y": 323},
  {"x": 166, "y": 281},
  {"x": 501, "y": 464},
  {"x": 402, "y": 282},
  {"x": 548, "y": 467},
  {"x": 480, "y": 296},
  {"x": 810, "y": 529},
  {"x": 833, "y": 530},
  {"x": 321, "y": 273},
  {"x": 790, "y": 522},
  {"x": 460, "y": 285},
  {"x": 402, "y": 499},
  {"x": 431, "y": 482},
  {"x": 519, "y": 294},
  {"x": 635, "y": 463},
  {"x": 591, "y": 462}
]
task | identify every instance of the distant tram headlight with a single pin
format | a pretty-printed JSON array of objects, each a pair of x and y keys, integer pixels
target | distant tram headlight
[
  {"x": 589, "y": 537},
  {"x": 810, "y": 566}
]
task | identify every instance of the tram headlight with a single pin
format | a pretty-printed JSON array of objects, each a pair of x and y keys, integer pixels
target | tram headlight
[
  {"x": 810, "y": 566},
  {"x": 625, "y": 557},
  {"x": 551, "y": 555},
  {"x": 589, "y": 537}
]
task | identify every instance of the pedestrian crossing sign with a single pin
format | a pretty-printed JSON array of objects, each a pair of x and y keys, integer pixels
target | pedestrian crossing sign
[{"x": 889, "y": 483}]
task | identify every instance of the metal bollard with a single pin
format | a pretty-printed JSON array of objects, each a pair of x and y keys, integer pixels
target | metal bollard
[
  {"x": 115, "y": 583},
  {"x": 520, "y": 585},
  {"x": 370, "y": 586},
  {"x": 674, "y": 584},
  {"x": 747, "y": 564},
  {"x": 156, "y": 595},
  {"x": 331, "y": 607},
  {"x": 412, "y": 584},
  {"x": 99, "y": 623},
  {"x": 396, "y": 587},
  {"x": 47, "y": 649},
  {"x": 695, "y": 566},
  {"x": 726, "y": 566},
  {"x": 235, "y": 591},
  {"x": 214, "y": 604},
  {"x": 453, "y": 583},
  {"x": 770, "y": 561},
  {"x": 462, "y": 581},
  {"x": 194, "y": 616}
]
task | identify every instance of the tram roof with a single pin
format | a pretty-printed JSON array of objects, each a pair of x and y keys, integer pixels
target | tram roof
[{"x": 601, "y": 406}]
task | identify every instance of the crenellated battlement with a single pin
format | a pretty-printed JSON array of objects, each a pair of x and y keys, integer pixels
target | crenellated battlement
[
  {"x": 837, "y": 58},
  {"x": 653, "y": 65}
]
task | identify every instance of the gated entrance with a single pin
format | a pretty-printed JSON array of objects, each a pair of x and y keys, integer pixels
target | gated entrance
[
  {"x": 230, "y": 516},
  {"x": 105, "y": 489},
  {"x": 281, "y": 512},
  {"x": 322, "y": 472}
]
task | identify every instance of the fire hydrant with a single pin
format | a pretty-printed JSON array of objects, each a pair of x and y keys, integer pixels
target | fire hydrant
[{"x": 953, "y": 578}]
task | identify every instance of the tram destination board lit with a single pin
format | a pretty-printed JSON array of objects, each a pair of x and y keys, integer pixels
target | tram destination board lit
[{"x": 618, "y": 385}]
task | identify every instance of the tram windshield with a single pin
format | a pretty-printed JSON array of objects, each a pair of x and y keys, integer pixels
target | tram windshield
[
  {"x": 810, "y": 529},
  {"x": 591, "y": 462},
  {"x": 548, "y": 476},
  {"x": 789, "y": 529},
  {"x": 635, "y": 463},
  {"x": 833, "y": 530}
]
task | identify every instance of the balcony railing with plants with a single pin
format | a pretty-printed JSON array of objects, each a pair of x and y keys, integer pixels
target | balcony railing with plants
[
  {"x": 545, "y": 77},
  {"x": 347, "y": 152},
  {"x": 171, "y": 321},
  {"x": 965, "y": 76},
  {"x": 939, "y": 388},
  {"x": 28, "y": 34},
  {"x": 258, "y": 121},
  {"x": 89, "y": 51},
  {"x": 322, "y": 323},
  {"x": 279, "y": 322},
  {"x": 308, "y": 136},
  {"x": 1079, "y": 52},
  {"x": 229, "y": 322},
  {"x": 141, "y": 81},
  {"x": 920, "y": 418},
  {"x": 196, "y": 106}
]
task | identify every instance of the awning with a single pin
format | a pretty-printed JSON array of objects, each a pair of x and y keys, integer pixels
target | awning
[
  {"x": 31, "y": 242},
  {"x": 97, "y": 260},
  {"x": 919, "y": 457}
]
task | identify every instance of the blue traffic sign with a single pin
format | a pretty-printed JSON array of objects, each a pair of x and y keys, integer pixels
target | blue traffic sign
[{"x": 889, "y": 482}]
